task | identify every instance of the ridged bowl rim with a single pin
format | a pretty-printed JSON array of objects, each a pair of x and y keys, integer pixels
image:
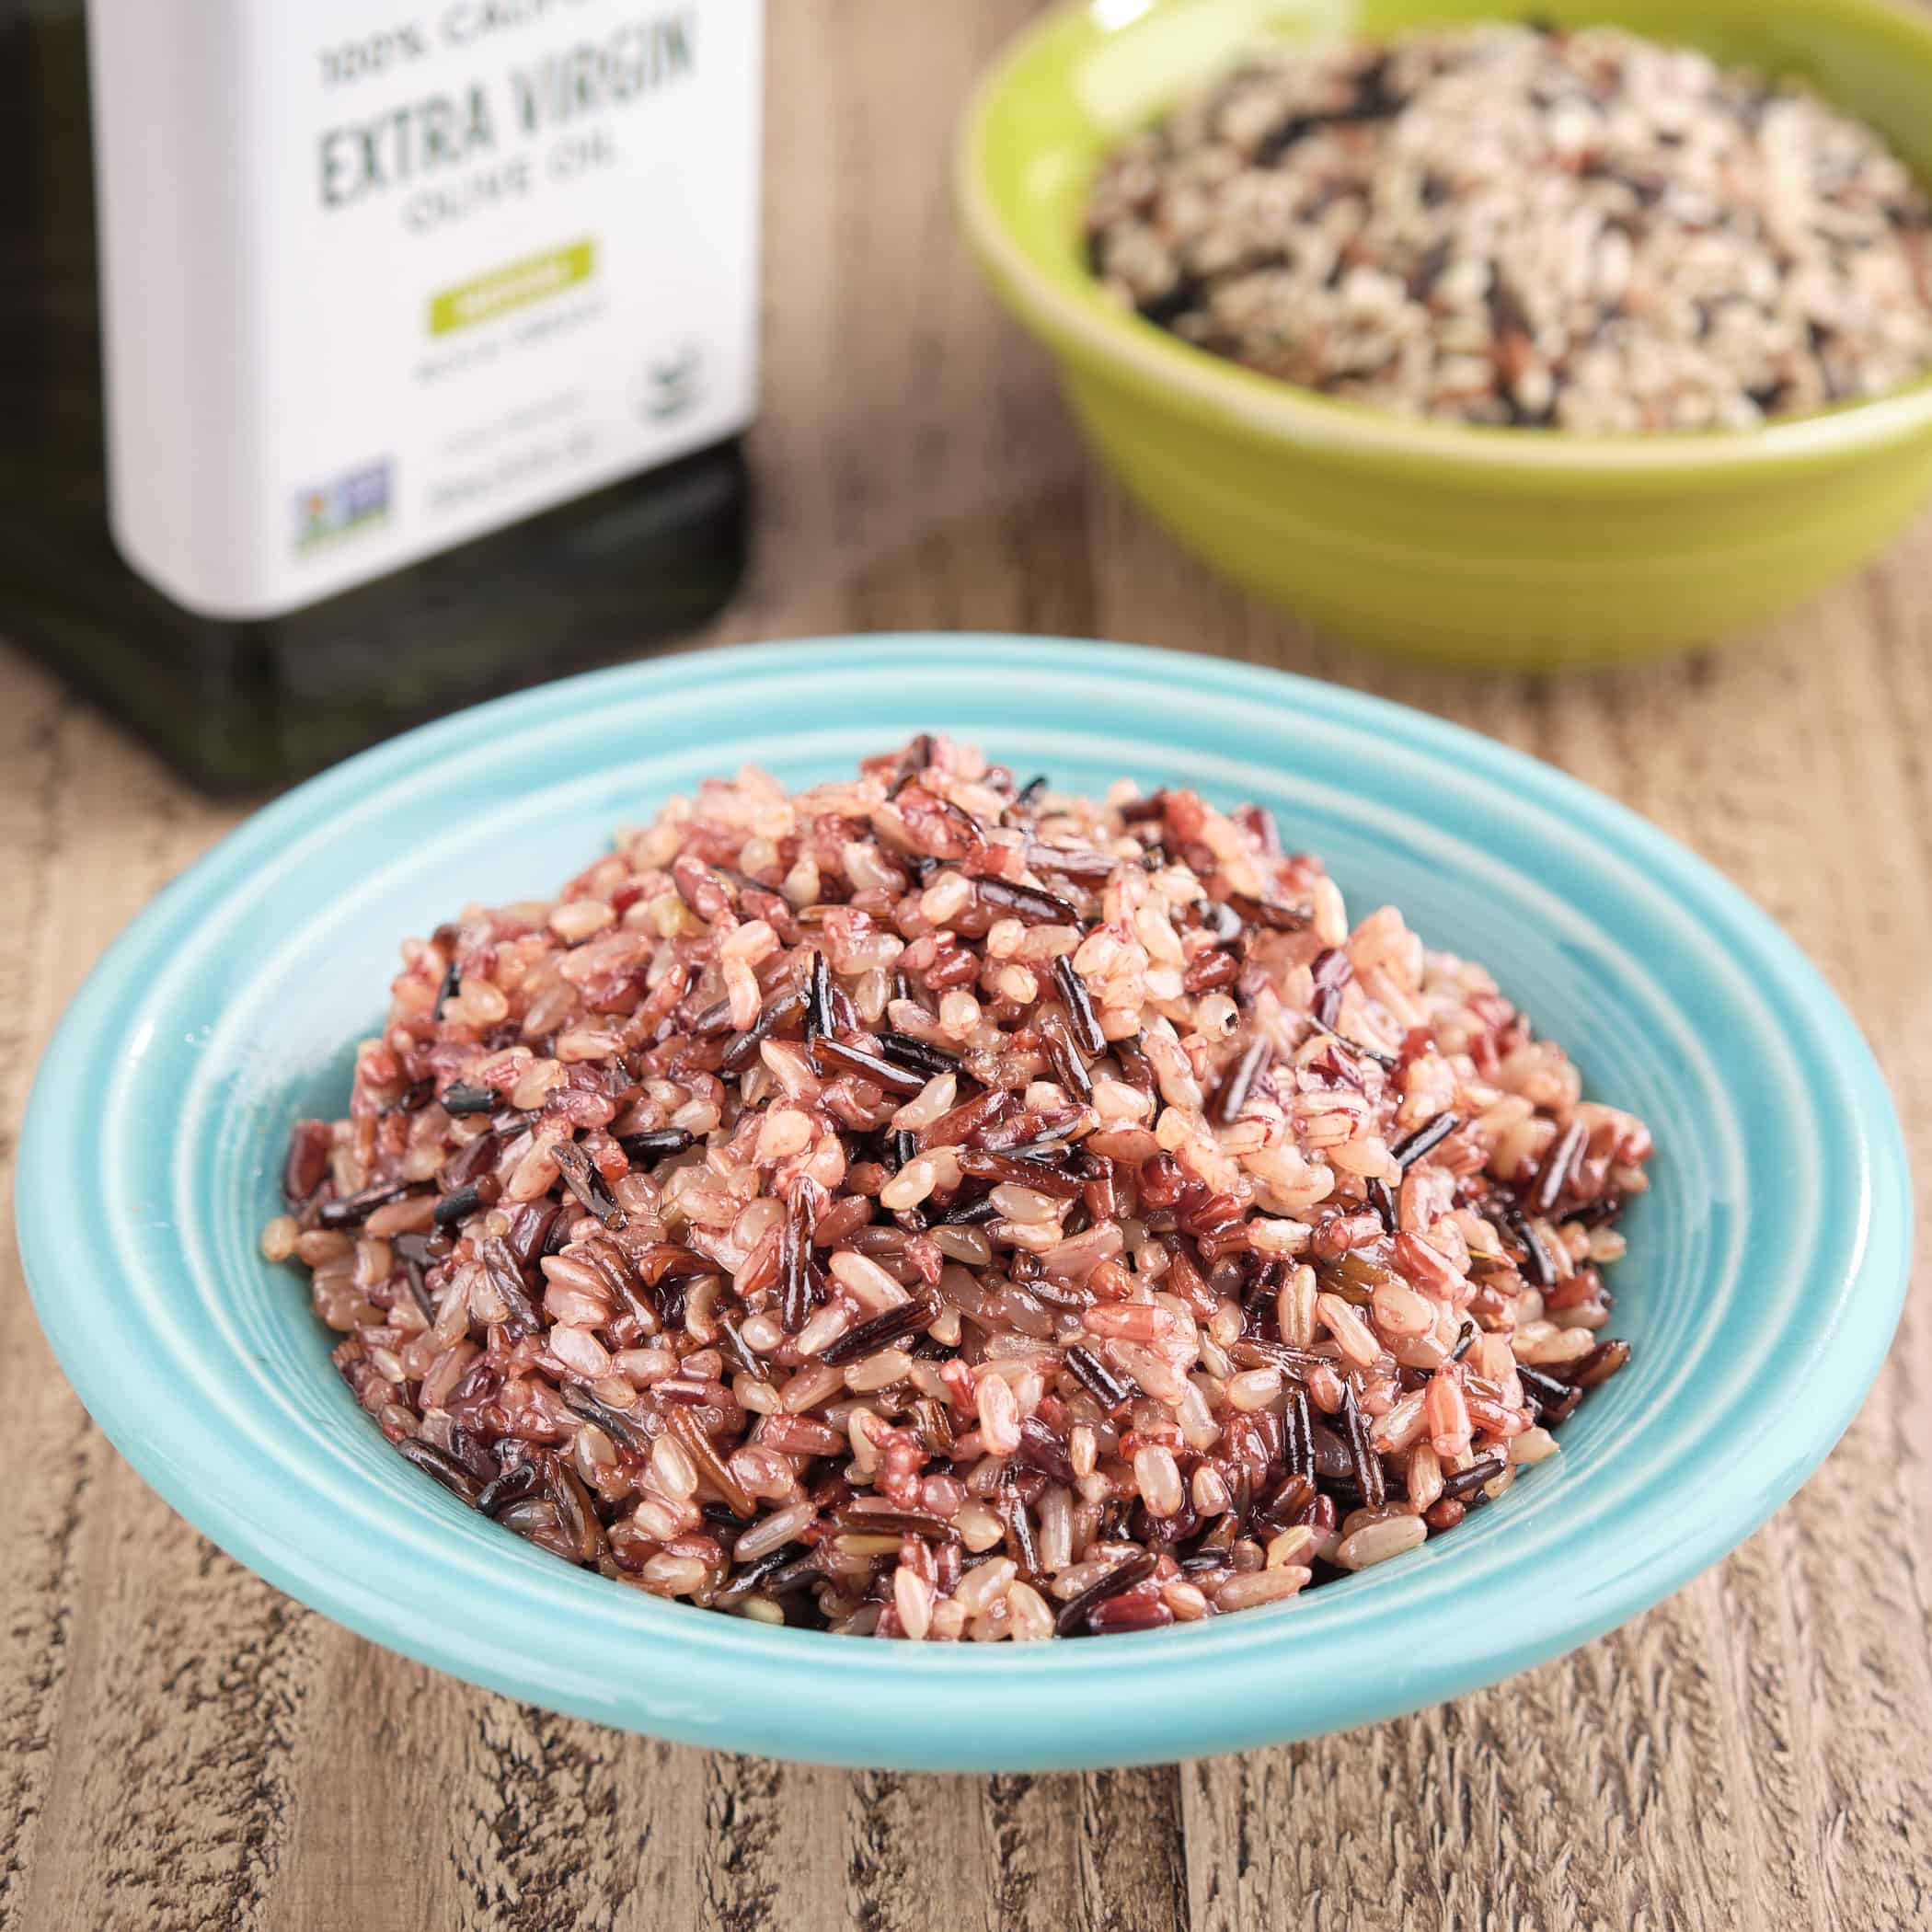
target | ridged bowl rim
[{"x": 151, "y": 1146}]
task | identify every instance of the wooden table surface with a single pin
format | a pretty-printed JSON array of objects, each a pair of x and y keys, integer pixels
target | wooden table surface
[{"x": 180, "y": 1746}]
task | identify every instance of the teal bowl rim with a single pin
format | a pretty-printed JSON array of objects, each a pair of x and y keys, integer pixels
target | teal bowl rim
[
  {"x": 1082, "y": 323},
  {"x": 409, "y": 1570}
]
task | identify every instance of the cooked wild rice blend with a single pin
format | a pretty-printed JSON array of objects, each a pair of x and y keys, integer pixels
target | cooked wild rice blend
[
  {"x": 1507, "y": 225},
  {"x": 942, "y": 1208}
]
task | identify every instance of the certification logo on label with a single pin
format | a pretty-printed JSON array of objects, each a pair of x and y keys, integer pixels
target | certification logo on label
[
  {"x": 355, "y": 500},
  {"x": 673, "y": 382}
]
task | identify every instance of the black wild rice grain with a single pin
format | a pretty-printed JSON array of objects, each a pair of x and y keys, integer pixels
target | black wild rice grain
[
  {"x": 460, "y": 1099},
  {"x": 741, "y": 1053},
  {"x": 1461, "y": 1486},
  {"x": 894, "y": 1522},
  {"x": 1369, "y": 1478},
  {"x": 1034, "y": 904},
  {"x": 934, "y": 1427},
  {"x": 1099, "y": 1379},
  {"x": 1271, "y": 914},
  {"x": 715, "y": 1019},
  {"x": 416, "y": 1096},
  {"x": 1600, "y": 1364},
  {"x": 1240, "y": 1083},
  {"x": 971, "y": 1214},
  {"x": 576, "y": 1513},
  {"x": 740, "y": 1356},
  {"x": 356, "y": 1208},
  {"x": 618, "y": 1427},
  {"x": 1552, "y": 1401},
  {"x": 795, "y": 1574},
  {"x": 1387, "y": 1061},
  {"x": 1042, "y": 1176},
  {"x": 1536, "y": 1263},
  {"x": 1137, "y": 1069},
  {"x": 449, "y": 1472},
  {"x": 1556, "y": 1165},
  {"x": 1299, "y": 1435},
  {"x": 819, "y": 1015},
  {"x": 762, "y": 1573},
  {"x": 920, "y": 1055},
  {"x": 826, "y": 1051},
  {"x": 413, "y": 1275},
  {"x": 512, "y": 1486},
  {"x": 883, "y": 1331},
  {"x": 656, "y": 1144},
  {"x": 1071, "y": 1621},
  {"x": 458, "y": 1206},
  {"x": 1411, "y": 1147},
  {"x": 1079, "y": 1006},
  {"x": 1020, "y": 1545},
  {"x": 1252, "y": 1352},
  {"x": 580, "y": 1176},
  {"x": 1382, "y": 1198},
  {"x": 670, "y": 1261},
  {"x": 639, "y": 1299},
  {"x": 1597, "y": 1214},
  {"x": 1042, "y": 1449},
  {"x": 1332, "y": 972},
  {"x": 507, "y": 1278},
  {"x": 1069, "y": 1069}
]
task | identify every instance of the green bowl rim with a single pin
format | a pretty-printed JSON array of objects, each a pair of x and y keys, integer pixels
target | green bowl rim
[{"x": 1210, "y": 389}]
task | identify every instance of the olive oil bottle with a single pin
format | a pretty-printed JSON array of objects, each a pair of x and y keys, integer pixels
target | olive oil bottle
[{"x": 361, "y": 358}]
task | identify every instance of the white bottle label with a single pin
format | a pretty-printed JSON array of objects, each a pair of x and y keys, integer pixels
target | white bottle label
[{"x": 379, "y": 278}]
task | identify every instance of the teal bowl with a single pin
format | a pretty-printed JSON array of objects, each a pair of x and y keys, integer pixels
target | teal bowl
[
  {"x": 1442, "y": 542},
  {"x": 1762, "y": 1283}
]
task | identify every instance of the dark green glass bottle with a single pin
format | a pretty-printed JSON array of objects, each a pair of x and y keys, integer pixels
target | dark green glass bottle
[{"x": 472, "y": 419}]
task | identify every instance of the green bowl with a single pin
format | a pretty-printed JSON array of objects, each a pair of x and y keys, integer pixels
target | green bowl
[{"x": 1524, "y": 550}]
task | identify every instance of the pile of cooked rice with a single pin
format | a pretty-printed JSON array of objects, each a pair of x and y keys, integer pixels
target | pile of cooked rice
[
  {"x": 932, "y": 1206},
  {"x": 1502, "y": 222}
]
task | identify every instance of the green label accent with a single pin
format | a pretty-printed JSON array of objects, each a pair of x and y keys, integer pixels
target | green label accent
[{"x": 515, "y": 285}]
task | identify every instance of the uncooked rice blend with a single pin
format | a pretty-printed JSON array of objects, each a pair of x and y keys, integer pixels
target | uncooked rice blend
[
  {"x": 940, "y": 1207},
  {"x": 1518, "y": 225}
]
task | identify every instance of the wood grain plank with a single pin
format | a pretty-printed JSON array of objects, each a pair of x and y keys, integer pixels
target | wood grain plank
[
  {"x": 133, "y": 1743},
  {"x": 774, "y": 1851},
  {"x": 1132, "y": 1867},
  {"x": 35, "y": 1607},
  {"x": 1037, "y": 1876},
  {"x": 908, "y": 1865},
  {"x": 430, "y": 1803}
]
